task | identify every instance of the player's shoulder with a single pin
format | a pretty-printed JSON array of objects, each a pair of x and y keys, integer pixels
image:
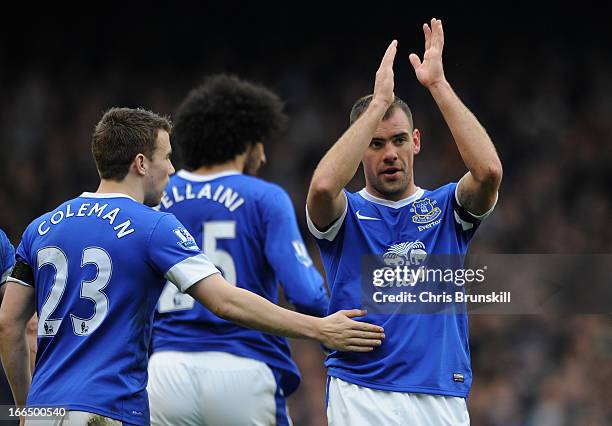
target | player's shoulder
[{"x": 257, "y": 189}]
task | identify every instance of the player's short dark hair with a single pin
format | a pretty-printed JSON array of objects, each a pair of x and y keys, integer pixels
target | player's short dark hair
[
  {"x": 362, "y": 104},
  {"x": 121, "y": 134},
  {"x": 221, "y": 117}
]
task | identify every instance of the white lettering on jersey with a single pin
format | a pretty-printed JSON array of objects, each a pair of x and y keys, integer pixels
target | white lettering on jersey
[
  {"x": 111, "y": 215},
  {"x": 83, "y": 210},
  {"x": 205, "y": 192},
  {"x": 227, "y": 196}
]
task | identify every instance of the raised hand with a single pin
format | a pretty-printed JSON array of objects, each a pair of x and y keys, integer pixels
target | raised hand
[
  {"x": 340, "y": 332},
  {"x": 383, "y": 85},
  {"x": 430, "y": 71}
]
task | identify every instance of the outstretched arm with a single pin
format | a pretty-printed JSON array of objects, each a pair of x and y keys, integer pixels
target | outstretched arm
[
  {"x": 325, "y": 201},
  {"x": 477, "y": 190},
  {"x": 240, "y": 306}
]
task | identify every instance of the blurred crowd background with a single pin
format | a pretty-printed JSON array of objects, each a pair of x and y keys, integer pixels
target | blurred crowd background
[{"x": 541, "y": 86}]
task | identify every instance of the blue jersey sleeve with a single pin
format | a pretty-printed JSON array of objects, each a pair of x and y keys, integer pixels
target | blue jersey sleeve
[
  {"x": 466, "y": 223},
  {"x": 175, "y": 254},
  {"x": 7, "y": 257},
  {"x": 287, "y": 254}
]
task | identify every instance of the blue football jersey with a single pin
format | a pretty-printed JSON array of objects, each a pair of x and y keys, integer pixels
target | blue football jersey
[
  {"x": 248, "y": 229},
  {"x": 7, "y": 257},
  {"x": 99, "y": 263},
  {"x": 422, "y": 352}
]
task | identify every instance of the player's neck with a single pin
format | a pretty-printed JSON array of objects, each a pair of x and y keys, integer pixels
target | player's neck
[
  {"x": 114, "y": 187},
  {"x": 410, "y": 190},
  {"x": 235, "y": 164}
]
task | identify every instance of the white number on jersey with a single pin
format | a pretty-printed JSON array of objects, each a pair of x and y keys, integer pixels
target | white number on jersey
[
  {"x": 92, "y": 290},
  {"x": 171, "y": 299}
]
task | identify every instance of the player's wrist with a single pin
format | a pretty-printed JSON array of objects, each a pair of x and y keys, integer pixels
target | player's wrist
[
  {"x": 379, "y": 104},
  {"x": 438, "y": 85},
  {"x": 314, "y": 330}
]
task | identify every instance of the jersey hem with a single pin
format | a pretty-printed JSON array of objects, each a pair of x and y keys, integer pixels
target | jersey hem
[
  {"x": 100, "y": 411},
  {"x": 412, "y": 389}
]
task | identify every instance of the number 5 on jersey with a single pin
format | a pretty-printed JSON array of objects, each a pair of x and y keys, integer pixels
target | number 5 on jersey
[{"x": 171, "y": 299}]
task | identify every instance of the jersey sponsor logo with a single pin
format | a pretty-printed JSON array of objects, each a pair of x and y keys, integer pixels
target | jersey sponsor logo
[
  {"x": 362, "y": 217},
  {"x": 301, "y": 253},
  {"x": 186, "y": 241},
  {"x": 406, "y": 253},
  {"x": 425, "y": 211},
  {"x": 421, "y": 228}
]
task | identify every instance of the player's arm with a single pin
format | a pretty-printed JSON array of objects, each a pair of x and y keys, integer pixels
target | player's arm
[
  {"x": 286, "y": 253},
  {"x": 477, "y": 190},
  {"x": 326, "y": 201},
  {"x": 242, "y": 307},
  {"x": 16, "y": 310}
]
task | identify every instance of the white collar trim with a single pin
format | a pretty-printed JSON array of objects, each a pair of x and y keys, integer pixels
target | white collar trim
[
  {"x": 106, "y": 195},
  {"x": 203, "y": 178},
  {"x": 393, "y": 204}
]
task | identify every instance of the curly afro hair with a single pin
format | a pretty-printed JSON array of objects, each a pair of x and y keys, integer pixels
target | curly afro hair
[{"x": 221, "y": 117}]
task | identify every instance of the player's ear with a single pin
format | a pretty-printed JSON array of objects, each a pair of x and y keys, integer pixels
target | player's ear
[
  {"x": 140, "y": 164},
  {"x": 262, "y": 152},
  {"x": 416, "y": 141}
]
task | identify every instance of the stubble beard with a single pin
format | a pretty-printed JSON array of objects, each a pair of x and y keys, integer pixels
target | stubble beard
[{"x": 391, "y": 190}]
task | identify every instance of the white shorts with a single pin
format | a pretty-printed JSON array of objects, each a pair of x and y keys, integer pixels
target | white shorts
[
  {"x": 213, "y": 388},
  {"x": 74, "y": 418},
  {"x": 353, "y": 405}
]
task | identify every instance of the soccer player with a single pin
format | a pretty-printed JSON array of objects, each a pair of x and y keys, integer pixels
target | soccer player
[
  {"x": 248, "y": 229},
  {"x": 421, "y": 374},
  {"x": 94, "y": 268}
]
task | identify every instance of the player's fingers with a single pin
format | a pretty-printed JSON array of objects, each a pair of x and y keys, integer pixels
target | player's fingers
[
  {"x": 357, "y": 349},
  {"x": 364, "y": 326},
  {"x": 427, "y": 32},
  {"x": 440, "y": 31},
  {"x": 414, "y": 60},
  {"x": 389, "y": 56},
  {"x": 364, "y": 342},
  {"x": 353, "y": 313},
  {"x": 436, "y": 33},
  {"x": 366, "y": 334}
]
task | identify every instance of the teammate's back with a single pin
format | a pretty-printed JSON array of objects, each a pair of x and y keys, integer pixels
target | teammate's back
[{"x": 247, "y": 227}]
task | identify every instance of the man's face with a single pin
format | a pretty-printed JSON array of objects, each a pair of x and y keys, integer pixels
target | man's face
[
  {"x": 159, "y": 169},
  {"x": 387, "y": 163},
  {"x": 256, "y": 157}
]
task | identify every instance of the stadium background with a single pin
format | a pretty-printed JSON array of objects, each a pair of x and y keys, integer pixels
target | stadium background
[{"x": 538, "y": 79}]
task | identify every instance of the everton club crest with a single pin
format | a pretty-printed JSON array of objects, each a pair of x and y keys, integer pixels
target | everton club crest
[{"x": 425, "y": 211}]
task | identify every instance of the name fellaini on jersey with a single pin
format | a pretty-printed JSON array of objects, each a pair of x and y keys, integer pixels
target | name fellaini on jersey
[
  {"x": 213, "y": 191},
  {"x": 75, "y": 210}
]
